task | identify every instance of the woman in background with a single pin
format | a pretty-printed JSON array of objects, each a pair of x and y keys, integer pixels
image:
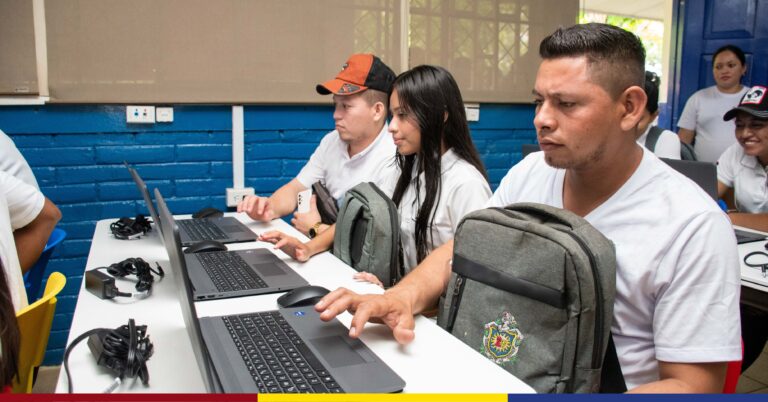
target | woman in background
[
  {"x": 701, "y": 123},
  {"x": 667, "y": 143}
]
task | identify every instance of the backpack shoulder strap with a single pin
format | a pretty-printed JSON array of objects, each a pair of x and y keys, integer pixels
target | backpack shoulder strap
[
  {"x": 653, "y": 137},
  {"x": 611, "y": 377}
]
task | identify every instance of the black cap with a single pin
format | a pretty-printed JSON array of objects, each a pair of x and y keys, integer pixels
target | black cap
[{"x": 753, "y": 102}]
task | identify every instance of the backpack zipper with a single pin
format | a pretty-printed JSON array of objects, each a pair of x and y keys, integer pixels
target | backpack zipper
[
  {"x": 458, "y": 290},
  {"x": 597, "y": 351}
]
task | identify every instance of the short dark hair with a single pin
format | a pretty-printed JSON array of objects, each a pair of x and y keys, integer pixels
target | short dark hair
[
  {"x": 731, "y": 48},
  {"x": 615, "y": 57},
  {"x": 374, "y": 95},
  {"x": 652, "y": 91}
]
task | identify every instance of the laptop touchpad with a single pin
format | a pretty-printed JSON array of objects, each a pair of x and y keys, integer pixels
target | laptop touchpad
[
  {"x": 337, "y": 352},
  {"x": 232, "y": 228},
  {"x": 269, "y": 269}
]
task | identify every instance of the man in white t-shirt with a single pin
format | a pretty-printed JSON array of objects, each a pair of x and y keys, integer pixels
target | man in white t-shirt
[
  {"x": 666, "y": 143},
  {"x": 27, "y": 219},
  {"x": 676, "y": 320},
  {"x": 359, "y": 149},
  {"x": 13, "y": 162}
]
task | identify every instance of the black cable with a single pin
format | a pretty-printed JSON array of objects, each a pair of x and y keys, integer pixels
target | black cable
[
  {"x": 125, "y": 350},
  {"x": 138, "y": 267}
]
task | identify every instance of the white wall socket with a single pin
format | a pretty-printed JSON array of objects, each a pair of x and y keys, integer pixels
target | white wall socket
[
  {"x": 164, "y": 114},
  {"x": 473, "y": 111},
  {"x": 140, "y": 114},
  {"x": 235, "y": 195}
]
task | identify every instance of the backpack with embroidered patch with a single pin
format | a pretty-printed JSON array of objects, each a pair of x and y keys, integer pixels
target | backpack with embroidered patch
[
  {"x": 368, "y": 233},
  {"x": 532, "y": 289},
  {"x": 686, "y": 150}
]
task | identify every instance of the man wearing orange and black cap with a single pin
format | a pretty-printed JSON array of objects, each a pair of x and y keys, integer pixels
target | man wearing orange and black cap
[{"x": 359, "y": 149}]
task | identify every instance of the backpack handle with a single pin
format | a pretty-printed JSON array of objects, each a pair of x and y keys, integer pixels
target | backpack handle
[{"x": 547, "y": 212}]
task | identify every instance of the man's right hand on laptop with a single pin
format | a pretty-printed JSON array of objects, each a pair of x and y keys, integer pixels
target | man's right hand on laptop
[
  {"x": 258, "y": 208},
  {"x": 389, "y": 309}
]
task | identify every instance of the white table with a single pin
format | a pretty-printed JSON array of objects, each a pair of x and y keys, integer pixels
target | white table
[{"x": 434, "y": 362}]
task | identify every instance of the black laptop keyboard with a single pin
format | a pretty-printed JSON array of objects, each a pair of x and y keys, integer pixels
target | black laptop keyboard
[
  {"x": 276, "y": 357},
  {"x": 201, "y": 229},
  {"x": 229, "y": 272}
]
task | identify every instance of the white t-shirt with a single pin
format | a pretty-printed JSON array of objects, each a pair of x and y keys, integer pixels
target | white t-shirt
[
  {"x": 13, "y": 162},
  {"x": 463, "y": 190},
  {"x": 746, "y": 176},
  {"x": 20, "y": 204},
  {"x": 677, "y": 279},
  {"x": 667, "y": 146},
  {"x": 703, "y": 113},
  {"x": 331, "y": 164}
]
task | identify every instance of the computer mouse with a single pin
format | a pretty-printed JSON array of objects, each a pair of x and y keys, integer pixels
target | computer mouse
[
  {"x": 205, "y": 246},
  {"x": 208, "y": 212},
  {"x": 303, "y": 296}
]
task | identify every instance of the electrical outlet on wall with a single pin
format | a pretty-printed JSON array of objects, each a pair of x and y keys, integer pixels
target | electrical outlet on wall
[
  {"x": 235, "y": 195},
  {"x": 140, "y": 114}
]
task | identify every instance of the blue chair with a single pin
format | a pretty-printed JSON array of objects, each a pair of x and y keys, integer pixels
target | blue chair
[{"x": 33, "y": 279}]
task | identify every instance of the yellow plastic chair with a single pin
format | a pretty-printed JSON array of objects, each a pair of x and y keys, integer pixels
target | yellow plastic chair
[{"x": 35, "y": 326}]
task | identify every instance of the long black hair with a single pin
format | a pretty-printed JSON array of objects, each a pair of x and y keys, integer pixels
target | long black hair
[
  {"x": 432, "y": 97},
  {"x": 10, "y": 338}
]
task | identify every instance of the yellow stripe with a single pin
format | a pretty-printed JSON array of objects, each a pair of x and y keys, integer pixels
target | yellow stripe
[{"x": 382, "y": 397}]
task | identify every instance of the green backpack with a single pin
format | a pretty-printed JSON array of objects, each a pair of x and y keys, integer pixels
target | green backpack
[
  {"x": 532, "y": 289},
  {"x": 368, "y": 233}
]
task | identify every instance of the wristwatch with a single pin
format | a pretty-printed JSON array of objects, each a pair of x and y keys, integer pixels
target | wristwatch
[{"x": 313, "y": 230}]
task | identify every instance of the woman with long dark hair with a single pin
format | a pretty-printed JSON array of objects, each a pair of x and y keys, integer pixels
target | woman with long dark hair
[{"x": 440, "y": 177}]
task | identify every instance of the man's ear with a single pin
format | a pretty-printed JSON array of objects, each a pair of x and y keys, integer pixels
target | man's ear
[
  {"x": 632, "y": 104},
  {"x": 379, "y": 111}
]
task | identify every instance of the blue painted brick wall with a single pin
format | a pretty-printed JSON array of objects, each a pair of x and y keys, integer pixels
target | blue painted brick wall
[{"x": 77, "y": 152}]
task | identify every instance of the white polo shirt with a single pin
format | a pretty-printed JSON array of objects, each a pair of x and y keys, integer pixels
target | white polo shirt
[
  {"x": 677, "y": 279},
  {"x": 331, "y": 164},
  {"x": 746, "y": 176},
  {"x": 463, "y": 190},
  {"x": 20, "y": 204},
  {"x": 13, "y": 162},
  {"x": 703, "y": 113}
]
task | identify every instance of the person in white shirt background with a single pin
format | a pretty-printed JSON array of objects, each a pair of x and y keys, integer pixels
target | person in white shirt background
[
  {"x": 13, "y": 162},
  {"x": 677, "y": 274},
  {"x": 668, "y": 143},
  {"x": 359, "y": 149},
  {"x": 742, "y": 168},
  {"x": 440, "y": 177},
  {"x": 701, "y": 123}
]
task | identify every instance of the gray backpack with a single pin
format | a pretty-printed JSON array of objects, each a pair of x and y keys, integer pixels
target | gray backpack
[
  {"x": 368, "y": 233},
  {"x": 532, "y": 289}
]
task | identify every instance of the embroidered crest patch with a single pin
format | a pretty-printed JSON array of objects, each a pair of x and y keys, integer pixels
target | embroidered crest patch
[
  {"x": 754, "y": 96},
  {"x": 502, "y": 339}
]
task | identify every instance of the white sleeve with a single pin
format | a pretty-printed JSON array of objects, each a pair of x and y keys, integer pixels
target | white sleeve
[
  {"x": 466, "y": 197},
  {"x": 314, "y": 170},
  {"x": 696, "y": 316},
  {"x": 24, "y": 201},
  {"x": 726, "y": 165},
  {"x": 690, "y": 113},
  {"x": 668, "y": 145}
]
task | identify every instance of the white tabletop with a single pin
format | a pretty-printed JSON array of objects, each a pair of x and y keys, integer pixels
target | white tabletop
[
  {"x": 752, "y": 277},
  {"x": 434, "y": 362}
]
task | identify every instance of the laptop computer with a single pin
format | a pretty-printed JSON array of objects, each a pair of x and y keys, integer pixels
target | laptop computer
[
  {"x": 285, "y": 350},
  {"x": 742, "y": 236},
  {"x": 702, "y": 173},
  {"x": 224, "y": 229},
  {"x": 225, "y": 274}
]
